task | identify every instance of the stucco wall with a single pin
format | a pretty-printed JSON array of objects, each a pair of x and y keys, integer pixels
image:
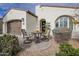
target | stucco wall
[
  {"x": 31, "y": 23},
  {"x": 52, "y": 13},
  {"x": 14, "y": 14}
]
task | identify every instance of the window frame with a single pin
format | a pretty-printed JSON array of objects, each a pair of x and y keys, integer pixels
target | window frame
[{"x": 63, "y": 21}]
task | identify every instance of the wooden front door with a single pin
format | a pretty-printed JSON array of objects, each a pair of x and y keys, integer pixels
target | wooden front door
[{"x": 14, "y": 27}]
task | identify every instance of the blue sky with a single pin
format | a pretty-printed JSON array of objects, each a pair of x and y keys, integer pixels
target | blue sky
[
  {"x": 6, "y": 6},
  {"x": 29, "y": 6}
]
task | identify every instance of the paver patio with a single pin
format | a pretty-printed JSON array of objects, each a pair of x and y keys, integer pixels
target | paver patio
[
  {"x": 45, "y": 48},
  {"x": 41, "y": 49}
]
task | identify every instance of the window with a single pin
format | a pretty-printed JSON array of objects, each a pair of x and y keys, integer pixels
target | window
[
  {"x": 57, "y": 24},
  {"x": 65, "y": 21},
  {"x": 62, "y": 22}
]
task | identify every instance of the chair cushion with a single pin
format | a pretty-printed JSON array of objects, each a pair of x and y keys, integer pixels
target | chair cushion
[{"x": 27, "y": 42}]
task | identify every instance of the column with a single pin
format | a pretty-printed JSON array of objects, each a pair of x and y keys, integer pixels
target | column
[{"x": 4, "y": 28}]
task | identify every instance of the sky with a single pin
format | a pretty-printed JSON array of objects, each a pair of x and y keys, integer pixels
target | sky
[{"x": 4, "y": 7}]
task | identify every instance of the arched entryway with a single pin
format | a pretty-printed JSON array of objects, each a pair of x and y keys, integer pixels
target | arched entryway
[
  {"x": 14, "y": 27},
  {"x": 43, "y": 25}
]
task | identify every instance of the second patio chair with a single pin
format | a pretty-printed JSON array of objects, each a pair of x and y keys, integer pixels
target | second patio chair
[{"x": 27, "y": 40}]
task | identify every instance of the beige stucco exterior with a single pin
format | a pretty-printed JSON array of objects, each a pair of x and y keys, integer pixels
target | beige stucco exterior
[
  {"x": 29, "y": 22},
  {"x": 52, "y": 13}
]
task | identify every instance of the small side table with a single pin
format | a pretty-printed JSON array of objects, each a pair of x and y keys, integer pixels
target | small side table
[{"x": 37, "y": 37}]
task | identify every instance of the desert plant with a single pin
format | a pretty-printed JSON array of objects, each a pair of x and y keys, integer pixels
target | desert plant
[
  {"x": 48, "y": 29},
  {"x": 67, "y": 50},
  {"x": 9, "y": 45}
]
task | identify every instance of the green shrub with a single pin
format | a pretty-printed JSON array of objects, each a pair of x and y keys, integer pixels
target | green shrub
[
  {"x": 62, "y": 34},
  {"x": 9, "y": 45},
  {"x": 67, "y": 50}
]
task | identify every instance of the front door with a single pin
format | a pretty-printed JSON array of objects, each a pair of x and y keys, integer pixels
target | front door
[{"x": 43, "y": 25}]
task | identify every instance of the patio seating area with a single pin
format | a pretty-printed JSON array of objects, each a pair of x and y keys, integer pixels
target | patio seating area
[
  {"x": 32, "y": 46},
  {"x": 34, "y": 37},
  {"x": 36, "y": 41}
]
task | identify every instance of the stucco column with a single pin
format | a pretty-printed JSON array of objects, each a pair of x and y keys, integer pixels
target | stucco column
[
  {"x": 38, "y": 23},
  {"x": 4, "y": 28},
  {"x": 68, "y": 23}
]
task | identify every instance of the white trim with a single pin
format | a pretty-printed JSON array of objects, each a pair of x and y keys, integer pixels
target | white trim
[
  {"x": 62, "y": 19},
  {"x": 59, "y": 22},
  {"x": 68, "y": 22}
]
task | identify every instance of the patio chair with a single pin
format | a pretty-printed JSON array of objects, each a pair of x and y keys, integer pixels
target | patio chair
[
  {"x": 46, "y": 36},
  {"x": 24, "y": 33},
  {"x": 27, "y": 40}
]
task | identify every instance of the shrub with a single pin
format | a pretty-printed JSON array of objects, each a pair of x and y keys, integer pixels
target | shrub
[
  {"x": 62, "y": 34},
  {"x": 9, "y": 45},
  {"x": 67, "y": 50}
]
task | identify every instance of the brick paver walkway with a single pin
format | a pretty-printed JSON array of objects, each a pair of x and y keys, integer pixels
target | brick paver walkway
[{"x": 42, "y": 50}]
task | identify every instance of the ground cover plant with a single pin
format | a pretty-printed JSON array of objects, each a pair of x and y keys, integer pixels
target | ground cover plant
[{"x": 66, "y": 49}]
